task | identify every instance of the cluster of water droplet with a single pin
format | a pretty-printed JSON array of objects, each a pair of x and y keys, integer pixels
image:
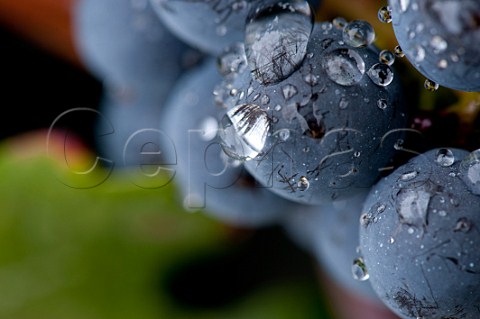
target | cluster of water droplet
[
  {"x": 299, "y": 115},
  {"x": 439, "y": 37},
  {"x": 417, "y": 236}
]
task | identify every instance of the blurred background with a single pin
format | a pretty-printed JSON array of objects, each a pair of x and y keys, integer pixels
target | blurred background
[{"x": 119, "y": 251}]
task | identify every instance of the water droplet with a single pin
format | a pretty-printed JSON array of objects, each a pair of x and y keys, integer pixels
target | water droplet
[
  {"x": 431, "y": 86},
  {"x": 283, "y": 134},
  {"x": 221, "y": 30},
  {"x": 442, "y": 213},
  {"x": 385, "y": 14},
  {"x": 386, "y": 57},
  {"x": 303, "y": 184},
  {"x": 381, "y": 208},
  {"x": 404, "y": 5},
  {"x": 408, "y": 176},
  {"x": 382, "y": 104},
  {"x": 357, "y": 154},
  {"x": 209, "y": 128},
  {"x": 289, "y": 91},
  {"x": 418, "y": 53},
  {"x": 398, "y": 52},
  {"x": 326, "y": 26},
  {"x": 232, "y": 60},
  {"x": 265, "y": 99},
  {"x": 442, "y": 64},
  {"x": 339, "y": 23},
  {"x": 277, "y": 108},
  {"x": 438, "y": 44},
  {"x": 470, "y": 171},
  {"x": 245, "y": 129},
  {"x": 444, "y": 157},
  {"x": 391, "y": 240},
  {"x": 358, "y": 33},
  {"x": 359, "y": 270},
  {"x": 412, "y": 205},
  {"x": 343, "y": 104},
  {"x": 310, "y": 79},
  {"x": 381, "y": 74},
  {"x": 365, "y": 219},
  {"x": 410, "y": 230},
  {"x": 343, "y": 66},
  {"x": 276, "y": 39}
]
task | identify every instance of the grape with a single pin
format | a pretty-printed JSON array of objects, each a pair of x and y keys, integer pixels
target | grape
[
  {"x": 123, "y": 43},
  {"x": 419, "y": 237},
  {"x": 440, "y": 38},
  {"x": 316, "y": 135},
  {"x": 330, "y": 233},
  {"x": 207, "y": 178},
  {"x": 210, "y": 25}
]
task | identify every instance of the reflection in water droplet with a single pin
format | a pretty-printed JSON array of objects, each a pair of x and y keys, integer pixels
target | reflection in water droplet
[
  {"x": 470, "y": 171},
  {"x": 358, "y": 33},
  {"x": 343, "y": 66},
  {"x": 386, "y": 57},
  {"x": 382, "y": 104},
  {"x": 412, "y": 205},
  {"x": 404, "y": 5},
  {"x": 398, "y": 52},
  {"x": 359, "y": 270},
  {"x": 381, "y": 74},
  {"x": 276, "y": 39},
  {"x": 245, "y": 129},
  {"x": 385, "y": 14},
  {"x": 303, "y": 184},
  {"x": 232, "y": 60},
  {"x": 444, "y": 157}
]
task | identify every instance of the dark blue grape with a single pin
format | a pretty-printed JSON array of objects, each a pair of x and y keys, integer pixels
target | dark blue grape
[
  {"x": 330, "y": 233},
  {"x": 207, "y": 178},
  {"x": 440, "y": 38},
  {"x": 419, "y": 238},
  {"x": 319, "y": 134}
]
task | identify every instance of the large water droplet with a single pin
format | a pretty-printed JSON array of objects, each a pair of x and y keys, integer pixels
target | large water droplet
[
  {"x": 358, "y": 33},
  {"x": 381, "y": 74},
  {"x": 277, "y": 34},
  {"x": 245, "y": 130},
  {"x": 359, "y": 270},
  {"x": 343, "y": 66},
  {"x": 412, "y": 205},
  {"x": 431, "y": 86},
  {"x": 444, "y": 157},
  {"x": 470, "y": 171},
  {"x": 339, "y": 23},
  {"x": 398, "y": 51},
  {"x": 232, "y": 60}
]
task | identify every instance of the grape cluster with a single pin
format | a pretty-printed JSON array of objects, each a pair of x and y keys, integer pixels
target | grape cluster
[{"x": 276, "y": 118}]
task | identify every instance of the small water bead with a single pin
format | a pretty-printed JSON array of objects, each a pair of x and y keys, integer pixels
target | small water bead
[
  {"x": 265, "y": 100},
  {"x": 442, "y": 64},
  {"x": 470, "y": 171},
  {"x": 357, "y": 154},
  {"x": 409, "y": 176},
  {"x": 276, "y": 38},
  {"x": 343, "y": 104},
  {"x": 289, "y": 91},
  {"x": 359, "y": 270},
  {"x": 277, "y": 108},
  {"x": 385, "y": 14},
  {"x": 398, "y": 52},
  {"x": 245, "y": 130},
  {"x": 463, "y": 225},
  {"x": 283, "y": 134},
  {"x": 386, "y": 57},
  {"x": 404, "y": 5},
  {"x": 438, "y": 44},
  {"x": 339, "y": 23},
  {"x": 310, "y": 79},
  {"x": 391, "y": 240},
  {"x": 442, "y": 213},
  {"x": 445, "y": 157},
  {"x": 209, "y": 128},
  {"x": 358, "y": 33},
  {"x": 343, "y": 66},
  {"x": 418, "y": 53},
  {"x": 431, "y": 86},
  {"x": 303, "y": 184},
  {"x": 381, "y": 74},
  {"x": 382, "y": 104}
]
